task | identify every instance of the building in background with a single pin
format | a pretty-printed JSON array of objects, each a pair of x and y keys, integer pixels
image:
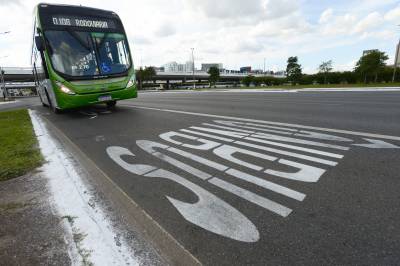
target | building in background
[
  {"x": 246, "y": 69},
  {"x": 205, "y": 67},
  {"x": 179, "y": 68}
]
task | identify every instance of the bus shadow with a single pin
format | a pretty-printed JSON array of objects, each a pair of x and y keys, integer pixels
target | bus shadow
[{"x": 93, "y": 111}]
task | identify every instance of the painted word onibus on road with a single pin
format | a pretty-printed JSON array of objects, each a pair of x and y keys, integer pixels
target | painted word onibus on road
[{"x": 306, "y": 155}]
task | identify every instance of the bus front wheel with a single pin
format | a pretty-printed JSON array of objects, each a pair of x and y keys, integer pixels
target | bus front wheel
[{"x": 111, "y": 104}]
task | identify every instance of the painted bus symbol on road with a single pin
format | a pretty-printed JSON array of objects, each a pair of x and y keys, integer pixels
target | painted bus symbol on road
[{"x": 309, "y": 154}]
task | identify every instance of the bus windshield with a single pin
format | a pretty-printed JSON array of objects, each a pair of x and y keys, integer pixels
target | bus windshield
[{"x": 81, "y": 54}]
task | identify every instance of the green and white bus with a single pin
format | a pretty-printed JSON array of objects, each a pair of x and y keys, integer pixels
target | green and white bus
[{"x": 80, "y": 56}]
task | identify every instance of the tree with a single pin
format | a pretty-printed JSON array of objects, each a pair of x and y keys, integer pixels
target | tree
[
  {"x": 325, "y": 68},
  {"x": 140, "y": 77},
  {"x": 143, "y": 75},
  {"x": 248, "y": 80},
  {"x": 293, "y": 70},
  {"x": 214, "y": 75},
  {"x": 371, "y": 64},
  {"x": 150, "y": 72}
]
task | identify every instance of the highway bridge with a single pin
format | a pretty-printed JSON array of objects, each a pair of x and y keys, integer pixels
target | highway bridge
[
  {"x": 21, "y": 78},
  {"x": 19, "y": 74}
]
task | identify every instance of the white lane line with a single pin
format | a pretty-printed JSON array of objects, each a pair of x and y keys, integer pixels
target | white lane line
[
  {"x": 252, "y": 197},
  {"x": 340, "y": 131}
]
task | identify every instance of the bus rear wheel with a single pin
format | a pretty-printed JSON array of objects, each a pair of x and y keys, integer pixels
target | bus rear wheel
[{"x": 111, "y": 104}]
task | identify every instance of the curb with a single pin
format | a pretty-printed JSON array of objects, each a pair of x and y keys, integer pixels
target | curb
[{"x": 164, "y": 243}]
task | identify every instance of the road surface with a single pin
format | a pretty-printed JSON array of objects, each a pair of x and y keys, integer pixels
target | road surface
[{"x": 257, "y": 178}]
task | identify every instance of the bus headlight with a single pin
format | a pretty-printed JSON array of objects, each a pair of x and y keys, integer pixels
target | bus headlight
[
  {"x": 131, "y": 82},
  {"x": 65, "y": 89}
]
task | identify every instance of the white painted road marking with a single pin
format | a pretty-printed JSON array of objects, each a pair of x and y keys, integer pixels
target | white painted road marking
[
  {"x": 340, "y": 131},
  {"x": 234, "y": 142},
  {"x": 149, "y": 146},
  {"x": 377, "y": 144},
  {"x": 209, "y": 212}
]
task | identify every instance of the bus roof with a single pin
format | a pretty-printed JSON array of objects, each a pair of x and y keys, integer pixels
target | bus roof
[
  {"x": 74, "y": 9},
  {"x": 60, "y": 16}
]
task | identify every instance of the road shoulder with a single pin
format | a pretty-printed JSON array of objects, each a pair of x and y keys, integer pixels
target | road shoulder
[{"x": 129, "y": 216}]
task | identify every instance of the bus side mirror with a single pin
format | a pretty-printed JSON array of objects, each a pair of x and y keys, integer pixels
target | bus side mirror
[{"x": 39, "y": 43}]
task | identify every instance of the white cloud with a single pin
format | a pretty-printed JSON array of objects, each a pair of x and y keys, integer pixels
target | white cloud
[
  {"x": 244, "y": 11},
  {"x": 393, "y": 15},
  {"x": 371, "y": 21},
  {"x": 9, "y": 2},
  {"x": 233, "y": 32},
  {"x": 165, "y": 30},
  {"x": 326, "y": 15}
]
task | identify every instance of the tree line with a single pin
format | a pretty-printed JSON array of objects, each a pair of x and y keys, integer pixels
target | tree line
[{"x": 370, "y": 68}]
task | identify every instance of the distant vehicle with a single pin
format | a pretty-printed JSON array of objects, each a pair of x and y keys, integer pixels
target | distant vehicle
[{"x": 80, "y": 56}]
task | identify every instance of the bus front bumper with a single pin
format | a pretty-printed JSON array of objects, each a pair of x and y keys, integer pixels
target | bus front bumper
[{"x": 65, "y": 101}]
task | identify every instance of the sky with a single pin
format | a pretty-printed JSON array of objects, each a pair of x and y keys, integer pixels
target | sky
[{"x": 233, "y": 32}]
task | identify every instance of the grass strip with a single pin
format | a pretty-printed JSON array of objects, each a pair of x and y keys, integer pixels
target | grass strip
[{"x": 19, "y": 150}]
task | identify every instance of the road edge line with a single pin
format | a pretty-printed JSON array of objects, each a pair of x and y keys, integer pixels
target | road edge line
[{"x": 164, "y": 243}]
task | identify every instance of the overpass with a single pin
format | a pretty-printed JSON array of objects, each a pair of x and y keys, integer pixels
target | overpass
[
  {"x": 22, "y": 77},
  {"x": 24, "y": 74}
]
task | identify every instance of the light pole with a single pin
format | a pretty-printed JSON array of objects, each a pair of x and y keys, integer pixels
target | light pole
[
  {"x": 3, "y": 84},
  {"x": 194, "y": 80},
  {"x": 396, "y": 59},
  {"x": 2, "y": 72},
  {"x": 264, "y": 66}
]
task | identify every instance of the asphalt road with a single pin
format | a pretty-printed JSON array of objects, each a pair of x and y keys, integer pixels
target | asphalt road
[{"x": 252, "y": 178}]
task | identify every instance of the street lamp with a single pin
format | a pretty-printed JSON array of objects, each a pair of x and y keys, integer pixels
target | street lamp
[
  {"x": 2, "y": 72},
  {"x": 3, "y": 85},
  {"x": 396, "y": 59},
  {"x": 194, "y": 80}
]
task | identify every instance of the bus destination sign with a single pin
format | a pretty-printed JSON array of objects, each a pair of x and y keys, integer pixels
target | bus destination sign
[{"x": 70, "y": 21}]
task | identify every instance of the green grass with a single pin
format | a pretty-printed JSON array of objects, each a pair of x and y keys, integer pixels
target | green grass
[{"x": 19, "y": 151}]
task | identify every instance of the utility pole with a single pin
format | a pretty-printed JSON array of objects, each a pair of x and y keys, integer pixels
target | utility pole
[
  {"x": 3, "y": 85},
  {"x": 194, "y": 79},
  {"x": 264, "y": 65},
  {"x": 396, "y": 59}
]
